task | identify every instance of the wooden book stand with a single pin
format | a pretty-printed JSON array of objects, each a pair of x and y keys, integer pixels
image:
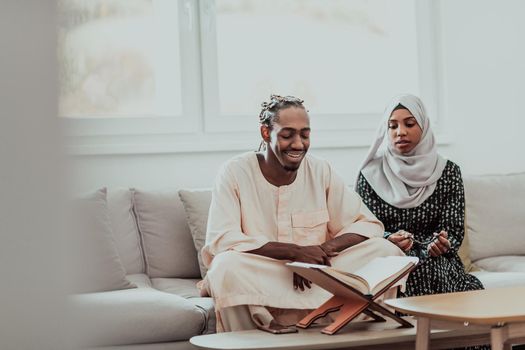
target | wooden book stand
[{"x": 348, "y": 300}]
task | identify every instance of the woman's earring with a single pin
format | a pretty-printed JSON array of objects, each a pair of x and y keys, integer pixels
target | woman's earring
[{"x": 262, "y": 146}]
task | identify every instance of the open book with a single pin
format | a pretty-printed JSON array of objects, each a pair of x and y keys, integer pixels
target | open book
[{"x": 369, "y": 279}]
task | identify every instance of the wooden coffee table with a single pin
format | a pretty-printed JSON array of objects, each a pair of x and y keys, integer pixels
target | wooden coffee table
[
  {"x": 358, "y": 336},
  {"x": 500, "y": 310}
]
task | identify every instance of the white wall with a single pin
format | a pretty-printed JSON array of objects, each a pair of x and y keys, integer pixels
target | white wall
[
  {"x": 484, "y": 77},
  {"x": 482, "y": 83}
]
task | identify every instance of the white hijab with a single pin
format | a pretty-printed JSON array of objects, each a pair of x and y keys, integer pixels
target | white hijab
[{"x": 404, "y": 180}]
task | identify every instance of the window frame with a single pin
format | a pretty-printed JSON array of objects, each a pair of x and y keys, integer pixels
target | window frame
[{"x": 200, "y": 129}]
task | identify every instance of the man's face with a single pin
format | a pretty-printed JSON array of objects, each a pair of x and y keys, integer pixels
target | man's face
[{"x": 290, "y": 137}]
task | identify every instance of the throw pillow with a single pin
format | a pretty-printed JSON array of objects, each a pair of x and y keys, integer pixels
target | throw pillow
[
  {"x": 495, "y": 207},
  {"x": 464, "y": 252},
  {"x": 166, "y": 239},
  {"x": 197, "y": 204},
  {"x": 125, "y": 231},
  {"x": 95, "y": 263}
]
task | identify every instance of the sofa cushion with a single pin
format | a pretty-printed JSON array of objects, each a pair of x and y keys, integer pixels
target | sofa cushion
[
  {"x": 507, "y": 263},
  {"x": 206, "y": 305},
  {"x": 166, "y": 240},
  {"x": 197, "y": 205},
  {"x": 464, "y": 254},
  {"x": 184, "y": 287},
  {"x": 492, "y": 279},
  {"x": 495, "y": 215},
  {"x": 134, "y": 316},
  {"x": 187, "y": 288},
  {"x": 95, "y": 263},
  {"x": 141, "y": 280},
  {"x": 124, "y": 225}
]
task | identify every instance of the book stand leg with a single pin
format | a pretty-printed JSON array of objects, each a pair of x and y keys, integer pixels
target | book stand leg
[
  {"x": 373, "y": 315},
  {"x": 349, "y": 308},
  {"x": 381, "y": 309}
]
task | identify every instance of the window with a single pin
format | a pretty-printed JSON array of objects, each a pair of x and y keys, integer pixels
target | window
[
  {"x": 112, "y": 67},
  {"x": 125, "y": 68},
  {"x": 165, "y": 75}
]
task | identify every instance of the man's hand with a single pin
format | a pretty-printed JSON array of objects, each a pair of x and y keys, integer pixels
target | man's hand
[
  {"x": 440, "y": 245},
  {"x": 313, "y": 254},
  {"x": 300, "y": 282},
  {"x": 402, "y": 239}
]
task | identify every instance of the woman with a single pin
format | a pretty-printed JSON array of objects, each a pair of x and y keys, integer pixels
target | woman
[{"x": 418, "y": 195}]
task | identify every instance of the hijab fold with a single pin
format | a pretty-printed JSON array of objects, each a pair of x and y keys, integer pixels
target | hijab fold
[{"x": 404, "y": 180}]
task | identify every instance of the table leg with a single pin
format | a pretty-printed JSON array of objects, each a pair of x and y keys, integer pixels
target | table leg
[
  {"x": 423, "y": 333},
  {"x": 498, "y": 337}
]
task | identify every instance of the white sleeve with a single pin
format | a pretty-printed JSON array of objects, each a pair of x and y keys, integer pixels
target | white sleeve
[
  {"x": 348, "y": 213},
  {"x": 224, "y": 221}
]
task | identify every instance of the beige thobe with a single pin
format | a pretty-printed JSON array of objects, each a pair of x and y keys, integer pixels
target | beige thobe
[{"x": 247, "y": 212}]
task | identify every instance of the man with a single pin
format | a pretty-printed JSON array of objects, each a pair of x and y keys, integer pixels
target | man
[{"x": 279, "y": 205}]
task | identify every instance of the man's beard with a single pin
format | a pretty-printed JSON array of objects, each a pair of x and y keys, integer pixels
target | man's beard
[{"x": 290, "y": 168}]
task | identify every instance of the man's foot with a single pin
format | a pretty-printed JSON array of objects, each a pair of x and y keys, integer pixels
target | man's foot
[{"x": 276, "y": 328}]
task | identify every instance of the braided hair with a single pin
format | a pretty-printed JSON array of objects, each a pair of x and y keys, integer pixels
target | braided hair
[{"x": 270, "y": 110}]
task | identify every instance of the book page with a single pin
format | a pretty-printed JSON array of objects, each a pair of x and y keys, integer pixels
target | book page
[
  {"x": 354, "y": 281},
  {"x": 382, "y": 270}
]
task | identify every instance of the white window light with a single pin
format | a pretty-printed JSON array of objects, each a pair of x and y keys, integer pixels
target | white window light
[{"x": 202, "y": 68}]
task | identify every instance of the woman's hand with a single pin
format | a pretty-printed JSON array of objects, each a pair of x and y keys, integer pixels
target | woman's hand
[
  {"x": 440, "y": 245},
  {"x": 402, "y": 239}
]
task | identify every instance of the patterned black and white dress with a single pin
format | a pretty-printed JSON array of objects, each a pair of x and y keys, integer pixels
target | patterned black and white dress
[{"x": 443, "y": 210}]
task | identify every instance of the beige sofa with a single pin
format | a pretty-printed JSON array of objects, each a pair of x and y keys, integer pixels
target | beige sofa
[
  {"x": 163, "y": 309},
  {"x": 157, "y": 241},
  {"x": 495, "y": 225}
]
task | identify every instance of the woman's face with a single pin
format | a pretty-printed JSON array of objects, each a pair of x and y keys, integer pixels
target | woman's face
[{"x": 404, "y": 131}]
